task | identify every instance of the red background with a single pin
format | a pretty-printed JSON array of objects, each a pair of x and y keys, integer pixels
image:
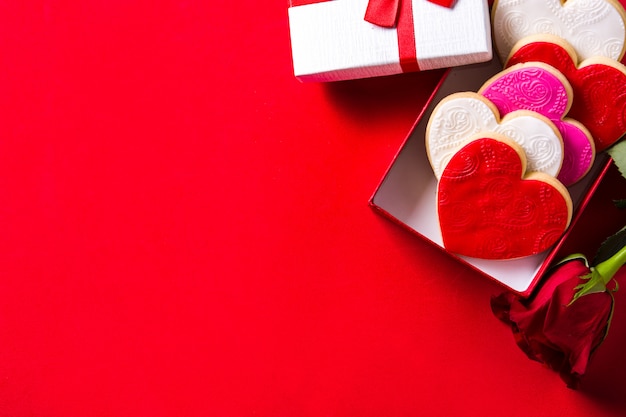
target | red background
[{"x": 185, "y": 232}]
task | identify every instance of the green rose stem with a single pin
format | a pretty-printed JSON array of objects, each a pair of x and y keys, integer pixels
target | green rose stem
[
  {"x": 609, "y": 268},
  {"x": 601, "y": 274}
]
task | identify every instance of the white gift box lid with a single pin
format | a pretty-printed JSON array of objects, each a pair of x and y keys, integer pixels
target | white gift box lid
[{"x": 331, "y": 41}]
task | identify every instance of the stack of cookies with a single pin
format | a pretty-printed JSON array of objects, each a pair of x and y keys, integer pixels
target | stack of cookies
[{"x": 504, "y": 156}]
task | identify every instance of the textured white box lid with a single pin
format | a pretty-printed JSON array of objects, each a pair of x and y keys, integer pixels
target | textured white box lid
[{"x": 331, "y": 41}]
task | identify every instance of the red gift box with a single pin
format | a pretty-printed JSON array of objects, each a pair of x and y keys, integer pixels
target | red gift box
[{"x": 407, "y": 193}]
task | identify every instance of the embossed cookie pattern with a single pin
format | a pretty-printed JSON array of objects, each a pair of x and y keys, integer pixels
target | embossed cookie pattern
[
  {"x": 598, "y": 84},
  {"x": 540, "y": 88},
  {"x": 489, "y": 209},
  {"x": 593, "y": 27},
  {"x": 459, "y": 116}
]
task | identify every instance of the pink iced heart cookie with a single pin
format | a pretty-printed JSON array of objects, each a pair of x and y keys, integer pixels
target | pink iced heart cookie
[
  {"x": 592, "y": 27},
  {"x": 489, "y": 209},
  {"x": 541, "y": 88},
  {"x": 598, "y": 83},
  {"x": 460, "y": 115}
]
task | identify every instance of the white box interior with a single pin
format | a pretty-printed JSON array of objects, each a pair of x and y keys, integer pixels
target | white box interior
[{"x": 408, "y": 191}]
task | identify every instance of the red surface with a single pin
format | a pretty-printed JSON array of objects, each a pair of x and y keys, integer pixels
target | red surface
[{"x": 185, "y": 231}]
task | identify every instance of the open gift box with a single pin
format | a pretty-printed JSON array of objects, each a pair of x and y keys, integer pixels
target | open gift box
[
  {"x": 332, "y": 41},
  {"x": 407, "y": 193}
]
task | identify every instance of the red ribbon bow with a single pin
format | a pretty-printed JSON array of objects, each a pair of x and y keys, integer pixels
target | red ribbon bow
[{"x": 385, "y": 13}]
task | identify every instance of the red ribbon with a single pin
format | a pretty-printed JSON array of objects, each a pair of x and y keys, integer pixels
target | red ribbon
[
  {"x": 444, "y": 3},
  {"x": 399, "y": 13},
  {"x": 386, "y": 13},
  {"x": 383, "y": 12}
]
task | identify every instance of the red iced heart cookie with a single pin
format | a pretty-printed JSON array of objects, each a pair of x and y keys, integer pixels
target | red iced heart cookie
[
  {"x": 598, "y": 83},
  {"x": 488, "y": 209}
]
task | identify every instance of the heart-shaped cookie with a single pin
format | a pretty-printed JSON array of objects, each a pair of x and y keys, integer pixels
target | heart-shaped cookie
[
  {"x": 489, "y": 209},
  {"x": 460, "y": 115},
  {"x": 541, "y": 88},
  {"x": 592, "y": 27},
  {"x": 598, "y": 83}
]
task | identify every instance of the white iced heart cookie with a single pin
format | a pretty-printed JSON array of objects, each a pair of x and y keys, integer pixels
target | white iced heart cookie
[
  {"x": 592, "y": 27},
  {"x": 459, "y": 116}
]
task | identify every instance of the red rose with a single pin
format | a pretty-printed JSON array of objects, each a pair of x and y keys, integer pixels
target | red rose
[
  {"x": 551, "y": 330},
  {"x": 568, "y": 317}
]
